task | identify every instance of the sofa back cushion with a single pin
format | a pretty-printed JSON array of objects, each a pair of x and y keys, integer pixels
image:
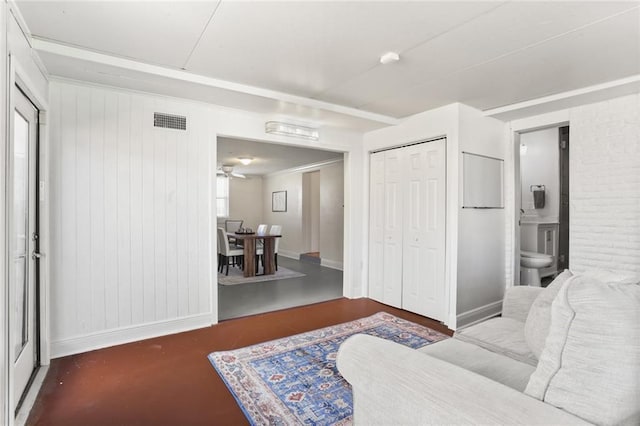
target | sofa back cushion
[
  {"x": 536, "y": 328},
  {"x": 590, "y": 365}
]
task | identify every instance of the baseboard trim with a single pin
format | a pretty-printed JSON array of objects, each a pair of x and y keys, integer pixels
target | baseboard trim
[
  {"x": 333, "y": 264},
  {"x": 478, "y": 314},
  {"x": 104, "y": 339},
  {"x": 289, "y": 254}
]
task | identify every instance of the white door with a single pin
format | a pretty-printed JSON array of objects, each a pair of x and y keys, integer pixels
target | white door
[
  {"x": 22, "y": 241},
  {"x": 392, "y": 233},
  {"x": 376, "y": 226},
  {"x": 423, "y": 261}
]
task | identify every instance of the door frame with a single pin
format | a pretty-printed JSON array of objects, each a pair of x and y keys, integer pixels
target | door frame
[
  {"x": 307, "y": 223},
  {"x": 517, "y": 189},
  {"x": 19, "y": 77},
  {"x": 448, "y": 295}
]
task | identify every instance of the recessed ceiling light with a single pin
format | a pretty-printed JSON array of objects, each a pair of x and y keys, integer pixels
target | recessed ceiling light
[
  {"x": 389, "y": 57},
  {"x": 245, "y": 160}
]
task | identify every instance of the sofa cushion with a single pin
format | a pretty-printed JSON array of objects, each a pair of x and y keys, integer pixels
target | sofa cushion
[
  {"x": 504, "y": 336},
  {"x": 609, "y": 276},
  {"x": 499, "y": 368},
  {"x": 590, "y": 365},
  {"x": 536, "y": 328}
]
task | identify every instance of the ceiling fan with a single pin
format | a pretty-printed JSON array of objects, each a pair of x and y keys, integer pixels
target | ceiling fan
[{"x": 228, "y": 172}]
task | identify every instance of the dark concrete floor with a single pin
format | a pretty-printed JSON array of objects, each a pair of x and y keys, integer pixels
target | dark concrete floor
[{"x": 318, "y": 285}]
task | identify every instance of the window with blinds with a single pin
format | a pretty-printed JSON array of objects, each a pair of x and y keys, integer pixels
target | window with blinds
[{"x": 222, "y": 196}]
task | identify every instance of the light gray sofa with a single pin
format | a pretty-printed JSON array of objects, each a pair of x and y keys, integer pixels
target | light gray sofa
[{"x": 568, "y": 354}]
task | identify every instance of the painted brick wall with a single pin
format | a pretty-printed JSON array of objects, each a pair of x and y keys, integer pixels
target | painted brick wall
[{"x": 605, "y": 185}]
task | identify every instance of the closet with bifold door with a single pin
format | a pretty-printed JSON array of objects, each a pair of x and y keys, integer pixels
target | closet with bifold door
[{"x": 407, "y": 228}]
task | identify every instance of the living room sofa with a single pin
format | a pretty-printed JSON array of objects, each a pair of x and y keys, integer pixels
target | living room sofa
[{"x": 562, "y": 355}]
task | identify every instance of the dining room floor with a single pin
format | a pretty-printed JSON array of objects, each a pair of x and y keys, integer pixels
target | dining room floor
[{"x": 318, "y": 285}]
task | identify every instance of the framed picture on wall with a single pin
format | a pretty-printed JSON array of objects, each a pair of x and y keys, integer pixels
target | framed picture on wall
[{"x": 279, "y": 201}]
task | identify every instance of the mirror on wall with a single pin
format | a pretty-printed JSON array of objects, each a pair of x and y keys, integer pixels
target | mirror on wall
[{"x": 482, "y": 182}]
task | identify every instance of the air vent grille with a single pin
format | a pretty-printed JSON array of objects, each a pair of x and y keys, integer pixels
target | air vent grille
[{"x": 169, "y": 121}]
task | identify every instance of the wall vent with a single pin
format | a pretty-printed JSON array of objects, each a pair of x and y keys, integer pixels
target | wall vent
[{"x": 169, "y": 121}]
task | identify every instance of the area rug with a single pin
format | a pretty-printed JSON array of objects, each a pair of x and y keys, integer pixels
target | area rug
[
  {"x": 236, "y": 276},
  {"x": 294, "y": 380}
]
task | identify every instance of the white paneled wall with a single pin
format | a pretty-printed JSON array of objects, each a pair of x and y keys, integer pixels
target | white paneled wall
[{"x": 130, "y": 221}]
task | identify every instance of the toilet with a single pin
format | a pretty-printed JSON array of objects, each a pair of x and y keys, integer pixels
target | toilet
[{"x": 530, "y": 265}]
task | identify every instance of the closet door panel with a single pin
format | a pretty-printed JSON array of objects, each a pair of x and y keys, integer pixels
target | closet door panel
[
  {"x": 393, "y": 217},
  {"x": 407, "y": 228},
  {"x": 423, "y": 233},
  {"x": 376, "y": 227}
]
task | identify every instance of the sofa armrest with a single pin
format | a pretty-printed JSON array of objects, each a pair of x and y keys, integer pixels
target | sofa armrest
[
  {"x": 393, "y": 384},
  {"x": 518, "y": 300}
]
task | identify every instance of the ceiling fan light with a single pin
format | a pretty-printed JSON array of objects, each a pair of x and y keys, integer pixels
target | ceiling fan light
[
  {"x": 245, "y": 160},
  {"x": 294, "y": 130}
]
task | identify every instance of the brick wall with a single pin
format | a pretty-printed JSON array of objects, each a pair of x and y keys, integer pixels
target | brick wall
[{"x": 605, "y": 185}]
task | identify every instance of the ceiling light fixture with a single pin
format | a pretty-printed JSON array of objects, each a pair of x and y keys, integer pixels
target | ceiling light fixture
[
  {"x": 245, "y": 160},
  {"x": 389, "y": 58},
  {"x": 294, "y": 130}
]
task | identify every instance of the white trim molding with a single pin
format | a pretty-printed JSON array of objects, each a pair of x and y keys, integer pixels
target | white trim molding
[
  {"x": 479, "y": 314},
  {"x": 104, "y": 339},
  {"x": 289, "y": 254},
  {"x": 333, "y": 264},
  {"x": 564, "y": 100},
  {"x": 47, "y": 46},
  {"x": 307, "y": 167}
]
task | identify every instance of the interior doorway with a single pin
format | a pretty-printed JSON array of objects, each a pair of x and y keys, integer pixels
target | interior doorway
[
  {"x": 297, "y": 190},
  {"x": 542, "y": 181},
  {"x": 311, "y": 216},
  {"x": 23, "y": 242}
]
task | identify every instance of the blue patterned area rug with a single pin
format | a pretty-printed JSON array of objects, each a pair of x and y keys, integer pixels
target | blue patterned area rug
[{"x": 294, "y": 380}]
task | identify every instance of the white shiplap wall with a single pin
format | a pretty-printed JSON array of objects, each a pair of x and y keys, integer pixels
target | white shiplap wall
[{"x": 130, "y": 250}]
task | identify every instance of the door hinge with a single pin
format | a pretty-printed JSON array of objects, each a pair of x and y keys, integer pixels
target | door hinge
[{"x": 563, "y": 144}]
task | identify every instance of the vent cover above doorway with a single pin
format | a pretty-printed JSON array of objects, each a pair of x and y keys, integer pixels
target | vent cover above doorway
[{"x": 169, "y": 121}]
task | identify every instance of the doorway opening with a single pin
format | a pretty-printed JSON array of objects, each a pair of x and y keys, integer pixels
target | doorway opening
[
  {"x": 543, "y": 183},
  {"x": 311, "y": 217},
  {"x": 24, "y": 246},
  {"x": 294, "y": 192}
]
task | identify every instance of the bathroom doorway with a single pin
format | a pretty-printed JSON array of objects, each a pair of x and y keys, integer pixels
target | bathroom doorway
[{"x": 544, "y": 204}]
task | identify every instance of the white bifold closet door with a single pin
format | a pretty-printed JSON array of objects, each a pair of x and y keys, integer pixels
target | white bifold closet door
[{"x": 407, "y": 228}]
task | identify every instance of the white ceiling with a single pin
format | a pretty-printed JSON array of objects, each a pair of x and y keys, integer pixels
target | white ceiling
[
  {"x": 486, "y": 54},
  {"x": 267, "y": 157}
]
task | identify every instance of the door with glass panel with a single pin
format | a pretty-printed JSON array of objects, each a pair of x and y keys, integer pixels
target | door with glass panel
[{"x": 23, "y": 240}]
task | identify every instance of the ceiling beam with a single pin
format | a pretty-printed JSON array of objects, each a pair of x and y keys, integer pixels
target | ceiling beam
[
  {"x": 63, "y": 50},
  {"x": 572, "y": 98}
]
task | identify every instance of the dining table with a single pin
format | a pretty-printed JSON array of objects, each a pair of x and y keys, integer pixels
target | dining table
[{"x": 249, "y": 246}]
